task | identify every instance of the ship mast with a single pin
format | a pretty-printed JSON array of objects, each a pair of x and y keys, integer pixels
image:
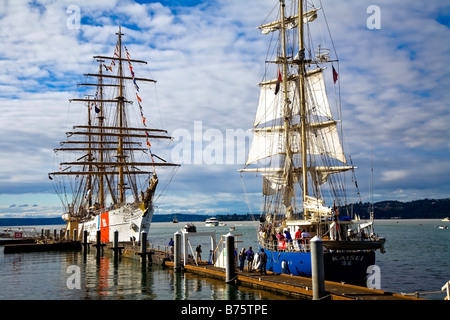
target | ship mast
[
  {"x": 287, "y": 115},
  {"x": 120, "y": 98},
  {"x": 104, "y": 138},
  {"x": 301, "y": 73},
  {"x": 100, "y": 122}
]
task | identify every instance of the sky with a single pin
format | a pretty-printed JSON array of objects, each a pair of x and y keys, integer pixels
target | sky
[{"x": 208, "y": 57}]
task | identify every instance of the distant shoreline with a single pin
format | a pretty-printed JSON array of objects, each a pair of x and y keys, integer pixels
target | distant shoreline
[
  {"x": 22, "y": 222},
  {"x": 383, "y": 210}
]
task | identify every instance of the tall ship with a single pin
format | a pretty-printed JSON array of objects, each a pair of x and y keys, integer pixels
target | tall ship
[
  {"x": 107, "y": 178},
  {"x": 298, "y": 150}
]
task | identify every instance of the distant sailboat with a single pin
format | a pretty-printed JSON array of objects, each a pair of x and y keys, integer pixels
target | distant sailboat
[
  {"x": 101, "y": 186},
  {"x": 297, "y": 150}
]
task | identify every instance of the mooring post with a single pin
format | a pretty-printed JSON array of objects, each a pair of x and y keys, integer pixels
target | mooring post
[
  {"x": 318, "y": 274},
  {"x": 99, "y": 244},
  {"x": 85, "y": 241},
  {"x": 115, "y": 246},
  {"x": 116, "y": 241},
  {"x": 177, "y": 251},
  {"x": 143, "y": 246},
  {"x": 229, "y": 258}
]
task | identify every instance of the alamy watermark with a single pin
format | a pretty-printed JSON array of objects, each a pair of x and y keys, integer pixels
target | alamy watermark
[
  {"x": 374, "y": 20},
  {"x": 74, "y": 279},
  {"x": 73, "y": 21},
  {"x": 373, "y": 277},
  {"x": 210, "y": 146}
]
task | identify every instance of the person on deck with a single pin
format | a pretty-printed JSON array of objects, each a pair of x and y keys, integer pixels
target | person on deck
[
  {"x": 298, "y": 236},
  {"x": 262, "y": 261},
  {"x": 242, "y": 256},
  {"x": 199, "y": 253},
  {"x": 250, "y": 256},
  {"x": 287, "y": 236}
]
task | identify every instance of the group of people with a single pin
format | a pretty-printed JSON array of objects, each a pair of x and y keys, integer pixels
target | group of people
[
  {"x": 249, "y": 256},
  {"x": 300, "y": 236}
]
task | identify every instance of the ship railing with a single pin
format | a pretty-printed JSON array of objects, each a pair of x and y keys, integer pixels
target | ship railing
[{"x": 296, "y": 245}]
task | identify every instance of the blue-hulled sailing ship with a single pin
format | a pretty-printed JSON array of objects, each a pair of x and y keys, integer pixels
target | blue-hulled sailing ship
[{"x": 297, "y": 149}]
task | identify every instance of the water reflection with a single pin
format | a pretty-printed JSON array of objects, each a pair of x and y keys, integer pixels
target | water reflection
[{"x": 107, "y": 277}]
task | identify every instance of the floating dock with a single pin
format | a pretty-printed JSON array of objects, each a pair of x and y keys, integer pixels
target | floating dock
[
  {"x": 289, "y": 285},
  {"x": 295, "y": 285}
]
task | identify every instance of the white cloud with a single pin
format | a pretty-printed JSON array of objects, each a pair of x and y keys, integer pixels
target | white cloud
[{"x": 208, "y": 60}]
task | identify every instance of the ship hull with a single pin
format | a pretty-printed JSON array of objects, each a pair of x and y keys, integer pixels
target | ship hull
[
  {"x": 348, "y": 267},
  {"x": 128, "y": 220}
]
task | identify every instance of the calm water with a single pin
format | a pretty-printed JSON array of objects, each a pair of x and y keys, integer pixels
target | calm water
[{"x": 417, "y": 259}]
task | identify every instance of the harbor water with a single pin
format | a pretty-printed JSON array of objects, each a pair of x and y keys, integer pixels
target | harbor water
[{"x": 416, "y": 260}]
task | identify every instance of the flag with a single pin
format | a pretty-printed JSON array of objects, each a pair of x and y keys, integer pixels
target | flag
[
  {"x": 335, "y": 75},
  {"x": 277, "y": 86},
  {"x": 135, "y": 84}
]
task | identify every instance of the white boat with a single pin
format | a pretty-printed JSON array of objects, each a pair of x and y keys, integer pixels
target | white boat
[
  {"x": 109, "y": 180},
  {"x": 446, "y": 219},
  {"x": 212, "y": 222}
]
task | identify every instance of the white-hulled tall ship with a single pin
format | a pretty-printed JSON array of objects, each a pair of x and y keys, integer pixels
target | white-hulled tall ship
[
  {"x": 298, "y": 151},
  {"x": 109, "y": 181}
]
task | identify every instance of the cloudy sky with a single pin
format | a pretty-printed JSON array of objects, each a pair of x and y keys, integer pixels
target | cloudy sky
[{"x": 208, "y": 57}]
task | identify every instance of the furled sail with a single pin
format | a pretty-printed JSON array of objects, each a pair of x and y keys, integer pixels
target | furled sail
[{"x": 291, "y": 22}]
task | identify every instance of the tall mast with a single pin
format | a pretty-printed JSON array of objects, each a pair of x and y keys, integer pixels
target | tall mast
[
  {"x": 89, "y": 156},
  {"x": 100, "y": 122},
  {"x": 120, "y": 156},
  {"x": 301, "y": 73},
  {"x": 287, "y": 115}
]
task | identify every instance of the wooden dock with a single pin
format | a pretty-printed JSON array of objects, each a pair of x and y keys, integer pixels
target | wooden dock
[
  {"x": 294, "y": 285},
  {"x": 289, "y": 285}
]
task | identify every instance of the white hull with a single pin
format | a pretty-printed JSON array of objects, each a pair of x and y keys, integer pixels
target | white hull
[
  {"x": 211, "y": 224},
  {"x": 129, "y": 220}
]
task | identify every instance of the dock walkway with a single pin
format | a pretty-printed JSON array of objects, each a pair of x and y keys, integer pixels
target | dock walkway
[{"x": 294, "y": 285}]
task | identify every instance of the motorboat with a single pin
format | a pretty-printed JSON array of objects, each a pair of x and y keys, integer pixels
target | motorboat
[{"x": 212, "y": 222}]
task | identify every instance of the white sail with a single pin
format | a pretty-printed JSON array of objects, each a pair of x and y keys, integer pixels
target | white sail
[
  {"x": 270, "y": 105},
  {"x": 316, "y": 95},
  {"x": 323, "y": 139}
]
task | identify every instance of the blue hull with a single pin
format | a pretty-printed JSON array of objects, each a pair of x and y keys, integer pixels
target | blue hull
[{"x": 348, "y": 267}]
